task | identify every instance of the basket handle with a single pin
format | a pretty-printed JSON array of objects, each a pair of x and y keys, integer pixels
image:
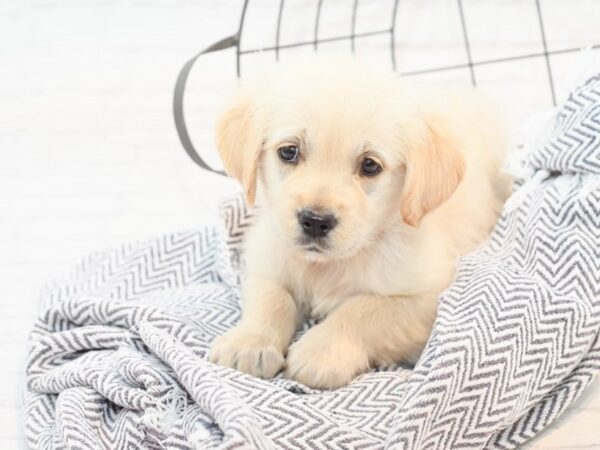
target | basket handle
[{"x": 184, "y": 137}]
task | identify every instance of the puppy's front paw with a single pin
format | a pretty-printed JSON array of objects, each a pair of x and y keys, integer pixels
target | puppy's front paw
[
  {"x": 324, "y": 358},
  {"x": 255, "y": 353}
]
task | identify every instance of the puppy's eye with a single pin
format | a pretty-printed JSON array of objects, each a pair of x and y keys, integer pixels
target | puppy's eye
[
  {"x": 289, "y": 153},
  {"x": 370, "y": 167}
]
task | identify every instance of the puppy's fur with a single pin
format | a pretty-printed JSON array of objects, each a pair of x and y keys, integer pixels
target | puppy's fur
[{"x": 374, "y": 279}]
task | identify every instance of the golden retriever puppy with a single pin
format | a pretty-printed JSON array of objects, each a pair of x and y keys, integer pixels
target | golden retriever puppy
[{"x": 368, "y": 189}]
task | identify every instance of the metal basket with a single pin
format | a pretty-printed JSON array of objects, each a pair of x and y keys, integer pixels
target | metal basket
[{"x": 351, "y": 36}]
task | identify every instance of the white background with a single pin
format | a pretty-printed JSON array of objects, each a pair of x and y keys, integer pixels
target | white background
[{"x": 89, "y": 156}]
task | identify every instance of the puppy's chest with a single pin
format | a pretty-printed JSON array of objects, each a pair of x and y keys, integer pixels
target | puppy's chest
[
  {"x": 320, "y": 288},
  {"x": 317, "y": 291}
]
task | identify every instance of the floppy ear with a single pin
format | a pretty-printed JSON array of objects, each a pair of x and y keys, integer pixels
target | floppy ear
[
  {"x": 239, "y": 140},
  {"x": 434, "y": 169}
]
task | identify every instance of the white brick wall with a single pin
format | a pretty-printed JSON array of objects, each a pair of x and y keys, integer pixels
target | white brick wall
[{"x": 89, "y": 156}]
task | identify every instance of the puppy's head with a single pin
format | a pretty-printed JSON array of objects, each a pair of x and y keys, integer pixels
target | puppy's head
[{"x": 339, "y": 153}]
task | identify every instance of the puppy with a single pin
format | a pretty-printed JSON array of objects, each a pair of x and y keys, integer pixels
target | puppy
[{"x": 368, "y": 189}]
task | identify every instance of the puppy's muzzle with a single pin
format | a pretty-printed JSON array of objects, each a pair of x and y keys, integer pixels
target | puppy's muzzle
[{"x": 314, "y": 225}]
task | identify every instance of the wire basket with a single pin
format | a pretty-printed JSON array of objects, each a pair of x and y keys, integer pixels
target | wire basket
[{"x": 317, "y": 37}]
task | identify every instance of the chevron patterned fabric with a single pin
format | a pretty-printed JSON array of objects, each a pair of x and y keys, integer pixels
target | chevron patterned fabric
[{"x": 118, "y": 355}]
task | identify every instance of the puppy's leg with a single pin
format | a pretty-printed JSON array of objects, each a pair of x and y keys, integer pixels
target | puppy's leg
[
  {"x": 362, "y": 332},
  {"x": 257, "y": 344}
]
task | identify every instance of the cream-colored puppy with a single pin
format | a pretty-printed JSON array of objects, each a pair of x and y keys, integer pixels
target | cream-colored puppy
[{"x": 368, "y": 190}]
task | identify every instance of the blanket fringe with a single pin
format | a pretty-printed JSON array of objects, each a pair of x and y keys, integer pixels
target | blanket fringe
[{"x": 165, "y": 413}]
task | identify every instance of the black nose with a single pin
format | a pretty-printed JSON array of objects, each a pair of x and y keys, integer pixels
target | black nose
[{"x": 316, "y": 225}]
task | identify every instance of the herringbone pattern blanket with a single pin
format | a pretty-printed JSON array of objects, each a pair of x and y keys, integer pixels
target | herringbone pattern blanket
[{"x": 118, "y": 355}]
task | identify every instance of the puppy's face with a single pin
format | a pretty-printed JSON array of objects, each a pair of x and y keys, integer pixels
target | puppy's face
[
  {"x": 340, "y": 155},
  {"x": 329, "y": 175}
]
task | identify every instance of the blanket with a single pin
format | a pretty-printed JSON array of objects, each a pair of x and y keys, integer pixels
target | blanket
[{"x": 118, "y": 356}]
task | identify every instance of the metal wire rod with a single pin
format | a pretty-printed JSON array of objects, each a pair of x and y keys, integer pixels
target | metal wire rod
[
  {"x": 305, "y": 43},
  {"x": 463, "y": 24},
  {"x": 546, "y": 54}
]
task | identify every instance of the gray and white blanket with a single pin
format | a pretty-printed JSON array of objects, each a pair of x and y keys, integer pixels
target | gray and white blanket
[{"x": 118, "y": 355}]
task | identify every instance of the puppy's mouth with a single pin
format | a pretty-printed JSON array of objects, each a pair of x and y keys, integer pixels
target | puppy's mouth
[
  {"x": 313, "y": 246},
  {"x": 313, "y": 249},
  {"x": 322, "y": 249}
]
